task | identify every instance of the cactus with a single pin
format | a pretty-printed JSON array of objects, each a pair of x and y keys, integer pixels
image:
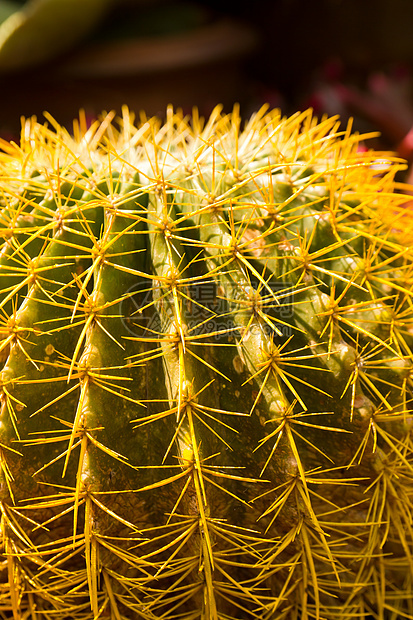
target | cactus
[{"x": 206, "y": 346}]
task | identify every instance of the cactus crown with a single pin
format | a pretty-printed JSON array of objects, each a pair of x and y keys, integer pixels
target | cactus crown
[{"x": 206, "y": 339}]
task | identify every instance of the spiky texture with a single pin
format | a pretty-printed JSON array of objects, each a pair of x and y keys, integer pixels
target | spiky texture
[{"x": 207, "y": 336}]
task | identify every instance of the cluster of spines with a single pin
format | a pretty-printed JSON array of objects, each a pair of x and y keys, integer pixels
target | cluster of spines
[{"x": 212, "y": 507}]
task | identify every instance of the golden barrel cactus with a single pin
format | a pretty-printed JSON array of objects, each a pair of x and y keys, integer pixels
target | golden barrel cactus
[{"x": 206, "y": 384}]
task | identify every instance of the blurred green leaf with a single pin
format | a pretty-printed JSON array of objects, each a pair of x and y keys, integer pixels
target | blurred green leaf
[{"x": 43, "y": 29}]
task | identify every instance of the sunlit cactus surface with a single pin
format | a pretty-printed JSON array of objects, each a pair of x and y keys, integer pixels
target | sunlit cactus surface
[{"x": 206, "y": 385}]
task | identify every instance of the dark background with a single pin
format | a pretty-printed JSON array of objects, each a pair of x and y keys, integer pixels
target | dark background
[{"x": 347, "y": 57}]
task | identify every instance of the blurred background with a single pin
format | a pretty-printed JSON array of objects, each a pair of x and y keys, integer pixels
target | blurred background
[{"x": 347, "y": 57}]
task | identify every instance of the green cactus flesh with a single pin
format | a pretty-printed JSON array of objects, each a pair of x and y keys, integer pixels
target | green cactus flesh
[{"x": 206, "y": 386}]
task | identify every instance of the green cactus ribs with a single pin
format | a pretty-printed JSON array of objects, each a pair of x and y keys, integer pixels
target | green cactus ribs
[{"x": 206, "y": 371}]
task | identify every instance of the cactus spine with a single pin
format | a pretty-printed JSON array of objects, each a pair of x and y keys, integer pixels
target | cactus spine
[{"x": 206, "y": 345}]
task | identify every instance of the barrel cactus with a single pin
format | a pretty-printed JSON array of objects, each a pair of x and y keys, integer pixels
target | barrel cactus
[{"x": 206, "y": 384}]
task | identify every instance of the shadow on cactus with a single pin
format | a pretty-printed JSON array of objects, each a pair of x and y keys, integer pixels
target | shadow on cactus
[{"x": 207, "y": 334}]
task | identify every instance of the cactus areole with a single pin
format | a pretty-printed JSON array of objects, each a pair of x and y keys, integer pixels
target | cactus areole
[{"x": 206, "y": 385}]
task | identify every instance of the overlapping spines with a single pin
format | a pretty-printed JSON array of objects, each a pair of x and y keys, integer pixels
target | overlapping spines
[{"x": 206, "y": 384}]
